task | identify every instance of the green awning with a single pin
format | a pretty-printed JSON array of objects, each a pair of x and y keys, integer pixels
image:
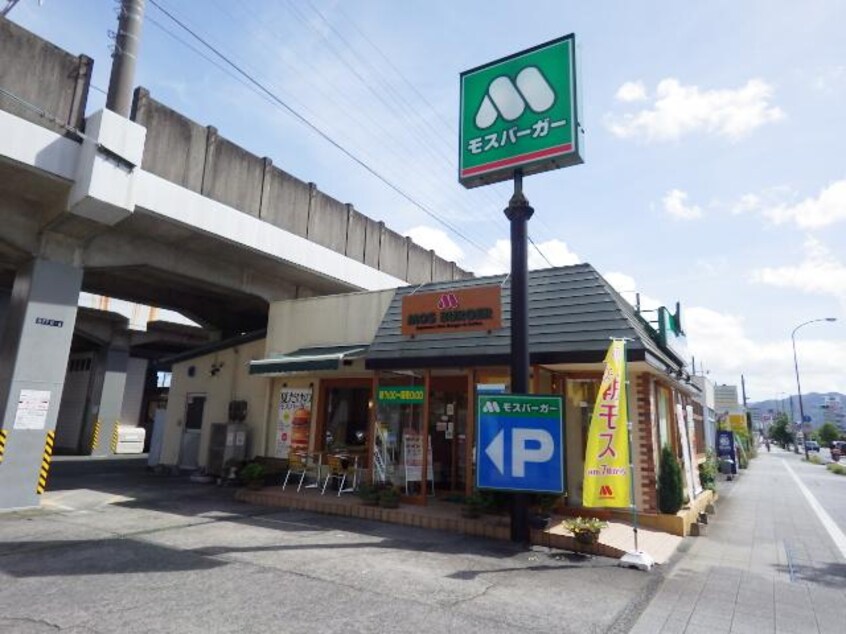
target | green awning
[{"x": 308, "y": 360}]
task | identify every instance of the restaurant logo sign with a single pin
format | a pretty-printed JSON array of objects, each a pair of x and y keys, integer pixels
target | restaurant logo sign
[
  {"x": 460, "y": 310},
  {"x": 519, "y": 112}
]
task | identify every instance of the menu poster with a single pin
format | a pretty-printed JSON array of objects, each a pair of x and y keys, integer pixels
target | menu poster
[
  {"x": 32, "y": 409},
  {"x": 412, "y": 443},
  {"x": 293, "y": 423}
]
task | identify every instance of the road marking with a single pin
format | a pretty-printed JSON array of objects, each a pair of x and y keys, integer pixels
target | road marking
[{"x": 825, "y": 519}]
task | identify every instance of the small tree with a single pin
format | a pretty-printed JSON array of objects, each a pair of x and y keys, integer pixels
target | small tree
[
  {"x": 827, "y": 433},
  {"x": 780, "y": 430},
  {"x": 670, "y": 488}
]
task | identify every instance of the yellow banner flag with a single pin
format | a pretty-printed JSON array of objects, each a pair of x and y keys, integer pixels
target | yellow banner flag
[{"x": 607, "y": 469}]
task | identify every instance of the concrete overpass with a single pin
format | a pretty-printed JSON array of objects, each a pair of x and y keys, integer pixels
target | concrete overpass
[{"x": 156, "y": 209}]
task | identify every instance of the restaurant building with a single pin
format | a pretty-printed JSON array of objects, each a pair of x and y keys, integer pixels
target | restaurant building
[{"x": 387, "y": 381}]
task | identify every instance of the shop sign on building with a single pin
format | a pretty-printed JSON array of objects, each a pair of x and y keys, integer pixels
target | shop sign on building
[
  {"x": 520, "y": 443},
  {"x": 519, "y": 112},
  {"x": 400, "y": 395},
  {"x": 458, "y": 310}
]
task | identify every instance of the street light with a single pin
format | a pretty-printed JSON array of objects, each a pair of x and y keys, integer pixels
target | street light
[{"x": 798, "y": 386}]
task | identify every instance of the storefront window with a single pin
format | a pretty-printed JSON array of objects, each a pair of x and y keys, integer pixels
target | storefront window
[
  {"x": 346, "y": 419},
  {"x": 581, "y": 396},
  {"x": 398, "y": 445},
  {"x": 663, "y": 416}
]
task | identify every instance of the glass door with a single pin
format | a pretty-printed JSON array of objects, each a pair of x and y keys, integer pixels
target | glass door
[
  {"x": 448, "y": 432},
  {"x": 398, "y": 443}
]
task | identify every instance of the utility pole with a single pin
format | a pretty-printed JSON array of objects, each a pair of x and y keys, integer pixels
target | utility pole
[
  {"x": 127, "y": 43},
  {"x": 10, "y": 4}
]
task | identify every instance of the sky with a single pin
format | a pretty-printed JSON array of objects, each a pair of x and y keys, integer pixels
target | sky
[{"x": 713, "y": 171}]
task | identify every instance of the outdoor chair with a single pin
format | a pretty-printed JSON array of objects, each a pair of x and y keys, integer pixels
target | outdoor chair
[
  {"x": 301, "y": 465},
  {"x": 341, "y": 468}
]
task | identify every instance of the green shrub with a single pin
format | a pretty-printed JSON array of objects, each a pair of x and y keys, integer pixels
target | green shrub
[
  {"x": 708, "y": 471},
  {"x": 253, "y": 472},
  {"x": 839, "y": 469},
  {"x": 814, "y": 459},
  {"x": 670, "y": 487}
]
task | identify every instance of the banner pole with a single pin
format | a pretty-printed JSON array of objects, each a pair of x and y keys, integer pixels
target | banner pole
[
  {"x": 631, "y": 486},
  {"x": 637, "y": 558}
]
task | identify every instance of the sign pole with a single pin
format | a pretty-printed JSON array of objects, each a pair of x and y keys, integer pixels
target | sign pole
[{"x": 518, "y": 213}]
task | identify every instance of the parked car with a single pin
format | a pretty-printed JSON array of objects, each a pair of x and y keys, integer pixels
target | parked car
[{"x": 812, "y": 445}]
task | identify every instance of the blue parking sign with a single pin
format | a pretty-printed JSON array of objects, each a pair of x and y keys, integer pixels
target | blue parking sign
[{"x": 520, "y": 443}]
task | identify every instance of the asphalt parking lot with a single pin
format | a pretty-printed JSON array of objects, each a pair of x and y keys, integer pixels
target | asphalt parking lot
[{"x": 115, "y": 549}]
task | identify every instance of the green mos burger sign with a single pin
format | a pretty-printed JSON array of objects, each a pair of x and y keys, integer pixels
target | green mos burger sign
[{"x": 519, "y": 112}]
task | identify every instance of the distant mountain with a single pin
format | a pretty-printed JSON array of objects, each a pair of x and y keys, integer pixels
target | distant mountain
[{"x": 814, "y": 403}]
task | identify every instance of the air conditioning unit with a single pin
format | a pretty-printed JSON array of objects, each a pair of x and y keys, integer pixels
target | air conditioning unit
[{"x": 228, "y": 441}]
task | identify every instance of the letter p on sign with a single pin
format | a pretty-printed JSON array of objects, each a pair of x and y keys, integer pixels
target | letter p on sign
[{"x": 530, "y": 445}]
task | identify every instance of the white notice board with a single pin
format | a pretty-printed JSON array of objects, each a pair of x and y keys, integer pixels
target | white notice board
[{"x": 32, "y": 409}]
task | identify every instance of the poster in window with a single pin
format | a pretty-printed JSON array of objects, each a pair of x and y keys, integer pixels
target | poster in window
[{"x": 293, "y": 425}]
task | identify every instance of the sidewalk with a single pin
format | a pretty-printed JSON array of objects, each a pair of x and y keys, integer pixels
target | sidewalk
[{"x": 766, "y": 565}]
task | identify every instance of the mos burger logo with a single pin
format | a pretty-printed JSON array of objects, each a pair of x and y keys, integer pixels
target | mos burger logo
[{"x": 448, "y": 301}]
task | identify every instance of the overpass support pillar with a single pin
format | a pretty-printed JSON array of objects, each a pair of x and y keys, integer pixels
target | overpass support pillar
[
  {"x": 34, "y": 353},
  {"x": 108, "y": 397}
]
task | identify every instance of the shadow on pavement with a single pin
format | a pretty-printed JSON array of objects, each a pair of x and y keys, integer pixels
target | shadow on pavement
[{"x": 96, "y": 557}]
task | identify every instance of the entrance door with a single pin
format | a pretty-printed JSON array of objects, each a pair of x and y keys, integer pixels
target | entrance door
[
  {"x": 190, "y": 449},
  {"x": 448, "y": 431}
]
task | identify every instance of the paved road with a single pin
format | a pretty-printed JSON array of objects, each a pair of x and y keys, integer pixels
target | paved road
[
  {"x": 129, "y": 552},
  {"x": 769, "y": 564}
]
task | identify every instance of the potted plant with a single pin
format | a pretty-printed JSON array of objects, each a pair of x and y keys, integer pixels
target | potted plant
[
  {"x": 389, "y": 498},
  {"x": 369, "y": 494},
  {"x": 253, "y": 475},
  {"x": 585, "y": 529},
  {"x": 473, "y": 506}
]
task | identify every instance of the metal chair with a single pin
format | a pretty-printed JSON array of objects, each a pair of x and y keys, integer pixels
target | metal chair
[
  {"x": 339, "y": 469},
  {"x": 299, "y": 464}
]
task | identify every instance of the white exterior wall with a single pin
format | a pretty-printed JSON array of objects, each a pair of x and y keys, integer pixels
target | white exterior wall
[{"x": 231, "y": 383}]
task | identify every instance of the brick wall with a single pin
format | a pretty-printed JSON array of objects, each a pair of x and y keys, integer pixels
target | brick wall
[{"x": 644, "y": 445}]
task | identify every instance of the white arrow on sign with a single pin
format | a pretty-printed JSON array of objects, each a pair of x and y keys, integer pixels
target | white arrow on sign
[{"x": 496, "y": 451}]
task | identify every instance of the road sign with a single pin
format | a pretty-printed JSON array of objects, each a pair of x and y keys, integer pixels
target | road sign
[
  {"x": 519, "y": 112},
  {"x": 520, "y": 443}
]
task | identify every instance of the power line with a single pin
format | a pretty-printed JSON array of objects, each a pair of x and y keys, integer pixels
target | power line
[{"x": 305, "y": 121}]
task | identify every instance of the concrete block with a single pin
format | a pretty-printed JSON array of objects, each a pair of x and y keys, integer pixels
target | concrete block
[
  {"x": 419, "y": 263},
  {"x": 104, "y": 190},
  {"x": 442, "y": 270},
  {"x": 286, "y": 203},
  {"x": 393, "y": 254},
  {"x": 233, "y": 176},
  {"x": 327, "y": 221},
  {"x": 175, "y": 147},
  {"x": 44, "y": 75},
  {"x": 372, "y": 242},
  {"x": 356, "y": 234}
]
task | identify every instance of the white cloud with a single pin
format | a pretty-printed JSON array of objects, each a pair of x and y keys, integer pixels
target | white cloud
[
  {"x": 436, "y": 240},
  {"x": 721, "y": 345},
  {"x": 675, "y": 204},
  {"x": 819, "y": 273},
  {"x": 631, "y": 91},
  {"x": 628, "y": 288},
  {"x": 825, "y": 209},
  {"x": 829, "y": 79},
  {"x": 678, "y": 110},
  {"x": 499, "y": 257}
]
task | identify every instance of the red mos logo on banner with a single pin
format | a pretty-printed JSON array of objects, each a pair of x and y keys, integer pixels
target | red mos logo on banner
[{"x": 447, "y": 301}]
